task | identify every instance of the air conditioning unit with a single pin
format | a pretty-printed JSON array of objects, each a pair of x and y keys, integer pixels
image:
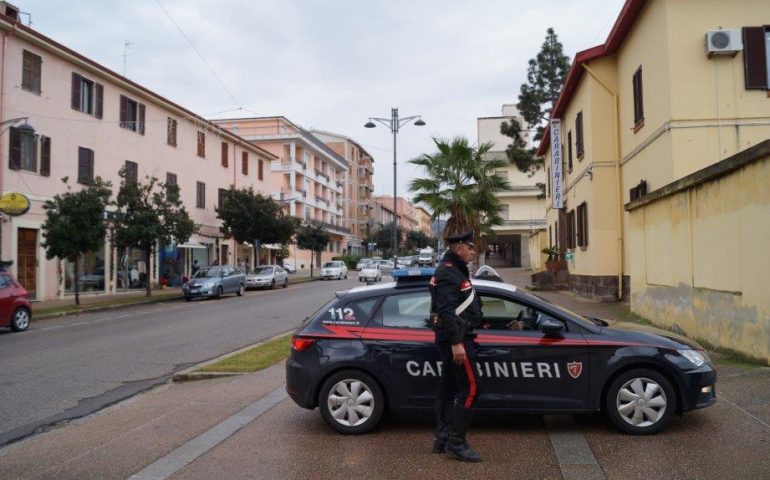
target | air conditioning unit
[{"x": 723, "y": 42}]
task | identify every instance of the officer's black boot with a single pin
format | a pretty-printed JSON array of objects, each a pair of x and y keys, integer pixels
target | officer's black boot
[
  {"x": 457, "y": 445},
  {"x": 443, "y": 424}
]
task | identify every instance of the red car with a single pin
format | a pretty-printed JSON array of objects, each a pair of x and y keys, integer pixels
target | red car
[{"x": 15, "y": 311}]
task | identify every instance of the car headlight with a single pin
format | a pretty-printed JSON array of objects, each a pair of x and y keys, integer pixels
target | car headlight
[{"x": 697, "y": 358}]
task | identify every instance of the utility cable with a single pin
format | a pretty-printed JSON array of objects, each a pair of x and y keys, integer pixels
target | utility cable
[{"x": 232, "y": 97}]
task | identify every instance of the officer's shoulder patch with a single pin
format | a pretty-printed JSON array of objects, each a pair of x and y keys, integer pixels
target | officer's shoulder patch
[
  {"x": 465, "y": 285},
  {"x": 448, "y": 264}
]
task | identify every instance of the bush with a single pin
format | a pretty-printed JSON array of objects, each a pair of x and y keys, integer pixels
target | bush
[{"x": 350, "y": 260}]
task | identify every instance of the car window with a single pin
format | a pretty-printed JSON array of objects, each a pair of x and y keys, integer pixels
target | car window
[
  {"x": 508, "y": 314},
  {"x": 352, "y": 313},
  {"x": 329, "y": 265},
  {"x": 5, "y": 282},
  {"x": 410, "y": 310}
]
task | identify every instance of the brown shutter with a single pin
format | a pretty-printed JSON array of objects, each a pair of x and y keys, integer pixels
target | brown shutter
[
  {"x": 755, "y": 58},
  {"x": 76, "y": 91},
  {"x": 91, "y": 164},
  {"x": 140, "y": 109},
  {"x": 579, "y": 134},
  {"x": 245, "y": 162},
  {"x": 224, "y": 154},
  {"x": 45, "y": 156},
  {"x": 99, "y": 95},
  {"x": 14, "y": 153},
  {"x": 123, "y": 112}
]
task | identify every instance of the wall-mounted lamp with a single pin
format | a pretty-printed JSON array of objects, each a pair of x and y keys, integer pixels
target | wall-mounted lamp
[{"x": 590, "y": 173}]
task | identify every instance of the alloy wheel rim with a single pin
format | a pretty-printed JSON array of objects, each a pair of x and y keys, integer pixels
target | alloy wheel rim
[
  {"x": 350, "y": 402},
  {"x": 641, "y": 402},
  {"x": 22, "y": 319}
]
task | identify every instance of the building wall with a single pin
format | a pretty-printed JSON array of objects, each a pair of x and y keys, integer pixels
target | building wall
[
  {"x": 51, "y": 115},
  {"x": 699, "y": 264}
]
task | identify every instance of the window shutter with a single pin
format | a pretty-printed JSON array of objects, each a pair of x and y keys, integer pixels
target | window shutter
[
  {"x": 99, "y": 103},
  {"x": 14, "y": 153},
  {"x": 123, "y": 112},
  {"x": 579, "y": 134},
  {"x": 259, "y": 169},
  {"x": 140, "y": 109},
  {"x": 45, "y": 156},
  {"x": 76, "y": 91},
  {"x": 755, "y": 58},
  {"x": 224, "y": 154},
  {"x": 245, "y": 163}
]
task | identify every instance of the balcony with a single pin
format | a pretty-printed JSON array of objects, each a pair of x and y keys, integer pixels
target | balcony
[
  {"x": 330, "y": 227},
  {"x": 282, "y": 166},
  {"x": 319, "y": 175}
]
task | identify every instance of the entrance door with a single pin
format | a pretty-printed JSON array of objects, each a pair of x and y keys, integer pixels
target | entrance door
[
  {"x": 26, "y": 260},
  {"x": 225, "y": 258}
]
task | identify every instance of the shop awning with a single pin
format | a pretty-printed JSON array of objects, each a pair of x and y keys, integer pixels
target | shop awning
[{"x": 191, "y": 244}]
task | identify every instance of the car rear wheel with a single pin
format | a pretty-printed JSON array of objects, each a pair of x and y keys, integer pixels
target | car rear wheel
[
  {"x": 272, "y": 284},
  {"x": 20, "y": 320},
  {"x": 640, "y": 401},
  {"x": 220, "y": 292},
  {"x": 351, "y": 402},
  {"x": 241, "y": 290},
  {"x": 285, "y": 282}
]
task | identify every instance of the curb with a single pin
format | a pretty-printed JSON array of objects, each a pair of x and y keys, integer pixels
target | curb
[
  {"x": 97, "y": 308},
  {"x": 190, "y": 375}
]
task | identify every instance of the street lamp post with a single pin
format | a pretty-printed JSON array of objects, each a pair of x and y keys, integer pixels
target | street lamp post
[{"x": 395, "y": 123}]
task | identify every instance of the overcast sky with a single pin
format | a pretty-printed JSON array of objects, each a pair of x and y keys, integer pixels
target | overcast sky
[{"x": 331, "y": 64}]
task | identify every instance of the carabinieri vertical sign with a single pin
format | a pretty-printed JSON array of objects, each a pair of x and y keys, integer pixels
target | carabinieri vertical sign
[{"x": 556, "y": 165}]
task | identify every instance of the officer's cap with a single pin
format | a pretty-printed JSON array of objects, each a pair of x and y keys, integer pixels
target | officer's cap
[{"x": 466, "y": 237}]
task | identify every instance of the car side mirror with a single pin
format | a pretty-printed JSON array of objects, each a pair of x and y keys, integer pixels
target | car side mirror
[{"x": 551, "y": 327}]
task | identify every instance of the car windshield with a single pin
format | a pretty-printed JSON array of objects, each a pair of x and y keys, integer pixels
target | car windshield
[
  {"x": 209, "y": 272},
  {"x": 263, "y": 270},
  {"x": 330, "y": 265},
  {"x": 370, "y": 265},
  {"x": 557, "y": 307}
]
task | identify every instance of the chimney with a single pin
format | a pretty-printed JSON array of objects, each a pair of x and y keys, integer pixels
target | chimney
[{"x": 9, "y": 11}]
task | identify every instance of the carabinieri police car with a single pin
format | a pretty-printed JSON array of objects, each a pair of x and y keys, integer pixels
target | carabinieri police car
[{"x": 371, "y": 349}]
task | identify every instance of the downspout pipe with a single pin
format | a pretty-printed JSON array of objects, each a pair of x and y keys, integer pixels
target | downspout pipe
[{"x": 618, "y": 175}]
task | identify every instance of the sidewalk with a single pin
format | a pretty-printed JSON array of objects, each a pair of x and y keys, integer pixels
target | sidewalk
[{"x": 91, "y": 302}]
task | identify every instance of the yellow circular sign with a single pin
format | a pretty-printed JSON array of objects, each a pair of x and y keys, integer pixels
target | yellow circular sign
[{"x": 14, "y": 204}]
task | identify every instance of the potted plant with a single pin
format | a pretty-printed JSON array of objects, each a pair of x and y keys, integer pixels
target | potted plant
[{"x": 553, "y": 264}]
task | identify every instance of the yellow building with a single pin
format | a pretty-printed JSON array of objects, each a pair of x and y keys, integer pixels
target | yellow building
[{"x": 657, "y": 130}]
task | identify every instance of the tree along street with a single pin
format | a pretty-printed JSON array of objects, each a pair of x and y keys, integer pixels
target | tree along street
[{"x": 67, "y": 368}]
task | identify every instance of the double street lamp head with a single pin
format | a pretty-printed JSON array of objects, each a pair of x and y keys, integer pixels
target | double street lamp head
[{"x": 370, "y": 124}]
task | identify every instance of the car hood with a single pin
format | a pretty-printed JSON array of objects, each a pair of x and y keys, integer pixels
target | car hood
[{"x": 650, "y": 335}]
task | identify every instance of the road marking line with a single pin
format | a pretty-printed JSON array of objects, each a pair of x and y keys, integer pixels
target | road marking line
[
  {"x": 576, "y": 460},
  {"x": 744, "y": 411},
  {"x": 181, "y": 457}
]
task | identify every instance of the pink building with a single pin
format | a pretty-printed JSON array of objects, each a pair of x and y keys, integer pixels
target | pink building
[
  {"x": 309, "y": 178},
  {"x": 89, "y": 121}
]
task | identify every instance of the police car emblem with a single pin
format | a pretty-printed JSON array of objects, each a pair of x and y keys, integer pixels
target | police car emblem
[{"x": 575, "y": 369}]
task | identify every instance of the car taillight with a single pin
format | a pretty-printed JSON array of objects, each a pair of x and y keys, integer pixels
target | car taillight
[{"x": 300, "y": 344}]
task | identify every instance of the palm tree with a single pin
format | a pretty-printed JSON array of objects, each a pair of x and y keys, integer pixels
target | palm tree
[{"x": 461, "y": 183}]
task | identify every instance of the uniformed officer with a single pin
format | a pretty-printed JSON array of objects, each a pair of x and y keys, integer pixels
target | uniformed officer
[{"x": 456, "y": 312}]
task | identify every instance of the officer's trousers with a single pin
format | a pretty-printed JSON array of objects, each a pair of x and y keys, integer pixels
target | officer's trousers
[{"x": 458, "y": 382}]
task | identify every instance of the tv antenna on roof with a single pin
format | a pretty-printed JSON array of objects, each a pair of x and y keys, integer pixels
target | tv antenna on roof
[{"x": 125, "y": 54}]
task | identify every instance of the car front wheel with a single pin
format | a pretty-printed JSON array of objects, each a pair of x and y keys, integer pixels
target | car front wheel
[
  {"x": 285, "y": 282},
  {"x": 640, "y": 401},
  {"x": 351, "y": 402},
  {"x": 220, "y": 292},
  {"x": 20, "y": 320},
  {"x": 241, "y": 290}
]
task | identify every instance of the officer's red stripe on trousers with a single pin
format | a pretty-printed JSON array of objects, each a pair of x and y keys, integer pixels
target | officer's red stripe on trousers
[{"x": 471, "y": 382}]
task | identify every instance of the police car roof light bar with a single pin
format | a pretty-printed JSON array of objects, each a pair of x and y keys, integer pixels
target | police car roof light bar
[{"x": 413, "y": 273}]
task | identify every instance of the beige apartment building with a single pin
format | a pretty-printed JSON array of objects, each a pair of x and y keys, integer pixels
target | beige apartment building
[
  {"x": 308, "y": 177},
  {"x": 423, "y": 220},
  {"x": 89, "y": 121},
  {"x": 522, "y": 207},
  {"x": 662, "y": 168},
  {"x": 359, "y": 186}
]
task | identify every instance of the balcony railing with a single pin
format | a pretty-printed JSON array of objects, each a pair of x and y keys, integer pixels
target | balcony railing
[{"x": 331, "y": 227}]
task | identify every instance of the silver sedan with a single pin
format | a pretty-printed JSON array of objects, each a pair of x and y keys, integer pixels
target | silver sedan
[{"x": 267, "y": 276}]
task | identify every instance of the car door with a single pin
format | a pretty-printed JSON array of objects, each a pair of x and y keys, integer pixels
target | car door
[
  {"x": 280, "y": 275},
  {"x": 404, "y": 348},
  {"x": 6, "y": 300},
  {"x": 526, "y": 369}
]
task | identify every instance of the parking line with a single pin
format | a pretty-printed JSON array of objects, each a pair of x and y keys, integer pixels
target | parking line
[
  {"x": 187, "y": 453},
  {"x": 742, "y": 410},
  {"x": 576, "y": 460}
]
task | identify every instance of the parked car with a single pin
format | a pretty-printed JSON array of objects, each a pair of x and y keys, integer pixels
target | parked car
[
  {"x": 370, "y": 273},
  {"x": 213, "y": 282},
  {"x": 334, "y": 269},
  {"x": 289, "y": 267},
  {"x": 361, "y": 263},
  {"x": 93, "y": 280},
  {"x": 15, "y": 311},
  {"x": 386, "y": 266},
  {"x": 267, "y": 276}
]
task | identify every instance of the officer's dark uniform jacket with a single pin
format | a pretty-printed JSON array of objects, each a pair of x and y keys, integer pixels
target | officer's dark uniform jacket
[{"x": 450, "y": 287}]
